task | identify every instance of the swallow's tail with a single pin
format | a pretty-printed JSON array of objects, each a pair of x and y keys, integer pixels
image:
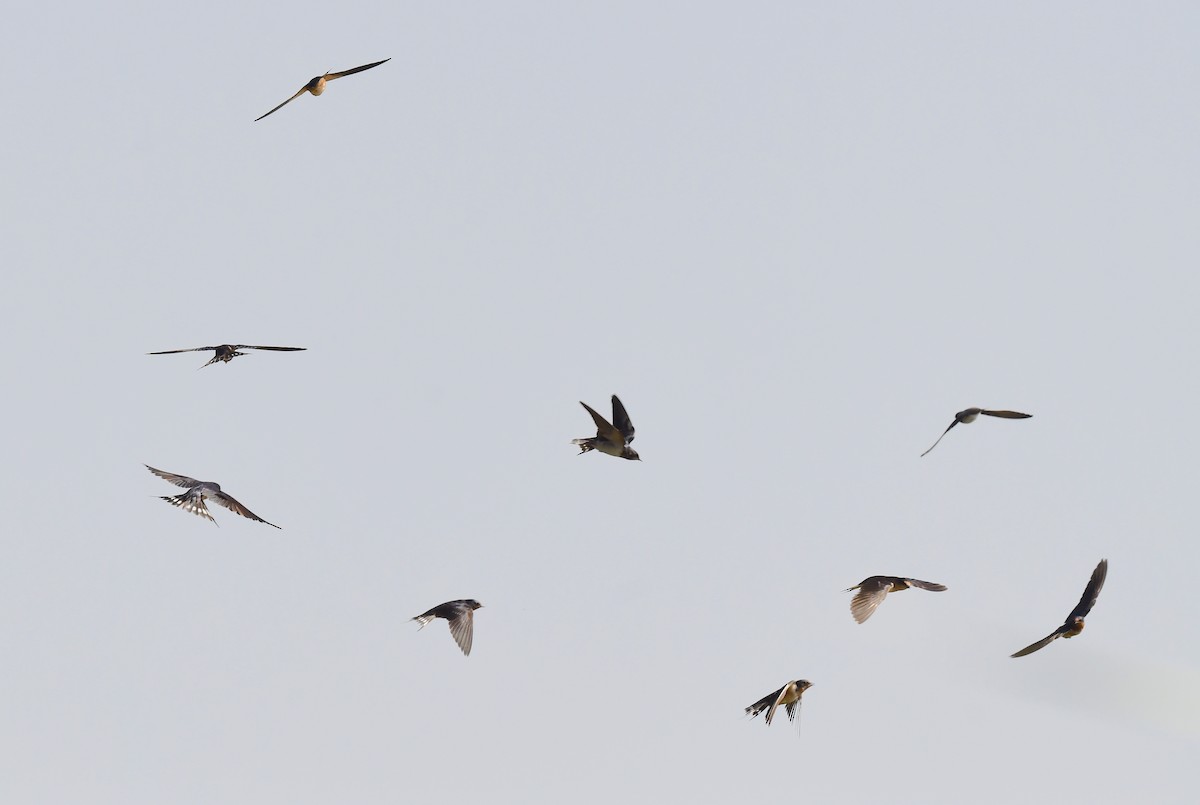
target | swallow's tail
[
  {"x": 423, "y": 620},
  {"x": 191, "y": 503},
  {"x": 584, "y": 445}
]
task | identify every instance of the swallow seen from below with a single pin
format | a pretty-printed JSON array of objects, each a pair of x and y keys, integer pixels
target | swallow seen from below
[
  {"x": 872, "y": 591},
  {"x": 460, "y": 615},
  {"x": 612, "y": 439},
  {"x": 788, "y": 696},
  {"x": 971, "y": 414},
  {"x": 197, "y": 491},
  {"x": 317, "y": 85},
  {"x": 1073, "y": 625},
  {"x": 226, "y": 352}
]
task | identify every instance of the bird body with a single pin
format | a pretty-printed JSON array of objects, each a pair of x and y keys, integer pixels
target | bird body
[
  {"x": 1073, "y": 625},
  {"x": 611, "y": 438},
  {"x": 197, "y": 492},
  {"x": 969, "y": 415},
  {"x": 873, "y": 589},
  {"x": 459, "y": 615},
  {"x": 788, "y": 696}
]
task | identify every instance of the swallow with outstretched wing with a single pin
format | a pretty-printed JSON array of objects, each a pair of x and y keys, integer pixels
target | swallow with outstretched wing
[
  {"x": 1073, "y": 625},
  {"x": 971, "y": 414},
  {"x": 226, "y": 352},
  {"x": 197, "y": 492},
  {"x": 317, "y": 85},
  {"x": 872, "y": 591}
]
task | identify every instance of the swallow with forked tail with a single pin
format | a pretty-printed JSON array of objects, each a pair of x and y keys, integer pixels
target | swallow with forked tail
[
  {"x": 460, "y": 616},
  {"x": 788, "y": 696},
  {"x": 1073, "y": 625},
  {"x": 613, "y": 438},
  {"x": 970, "y": 415},
  {"x": 872, "y": 591},
  {"x": 317, "y": 85},
  {"x": 197, "y": 491}
]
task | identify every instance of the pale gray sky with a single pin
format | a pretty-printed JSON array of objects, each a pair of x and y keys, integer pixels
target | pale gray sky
[{"x": 795, "y": 239}]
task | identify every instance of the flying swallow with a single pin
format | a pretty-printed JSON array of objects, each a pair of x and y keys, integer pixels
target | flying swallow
[
  {"x": 317, "y": 85},
  {"x": 789, "y": 696},
  {"x": 1073, "y": 625},
  {"x": 226, "y": 352},
  {"x": 193, "y": 499},
  {"x": 612, "y": 439},
  {"x": 872, "y": 591},
  {"x": 971, "y": 414},
  {"x": 460, "y": 615}
]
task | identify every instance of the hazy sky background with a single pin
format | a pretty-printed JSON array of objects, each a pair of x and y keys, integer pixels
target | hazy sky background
[{"x": 795, "y": 239}]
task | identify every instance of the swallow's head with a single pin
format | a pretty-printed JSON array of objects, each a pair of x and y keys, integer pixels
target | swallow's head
[
  {"x": 1076, "y": 626},
  {"x": 630, "y": 454},
  {"x": 473, "y": 604},
  {"x": 802, "y": 685}
]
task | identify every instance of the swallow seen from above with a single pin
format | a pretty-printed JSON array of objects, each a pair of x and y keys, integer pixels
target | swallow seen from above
[
  {"x": 226, "y": 352},
  {"x": 971, "y": 414},
  {"x": 193, "y": 499},
  {"x": 789, "y": 696},
  {"x": 460, "y": 615},
  {"x": 1073, "y": 625},
  {"x": 612, "y": 439},
  {"x": 317, "y": 85},
  {"x": 872, "y": 591}
]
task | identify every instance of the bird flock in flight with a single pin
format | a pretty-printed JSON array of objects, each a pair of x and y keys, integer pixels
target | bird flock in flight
[{"x": 612, "y": 438}]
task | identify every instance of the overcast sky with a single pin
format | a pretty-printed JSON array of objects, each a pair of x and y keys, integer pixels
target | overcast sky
[{"x": 794, "y": 238}]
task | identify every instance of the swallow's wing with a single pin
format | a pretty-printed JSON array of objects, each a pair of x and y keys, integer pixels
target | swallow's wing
[
  {"x": 926, "y": 585},
  {"x": 299, "y": 92},
  {"x": 1091, "y": 593},
  {"x": 178, "y": 480},
  {"x": 352, "y": 71},
  {"x": 230, "y": 503},
  {"x": 775, "y": 704},
  {"x": 870, "y": 595},
  {"x": 173, "y": 351},
  {"x": 1045, "y": 641},
  {"x": 604, "y": 430},
  {"x": 462, "y": 626},
  {"x": 1006, "y": 414},
  {"x": 935, "y": 444},
  {"x": 621, "y": 419},
  {"x": 275, "y": 349},
  {"x": 193, "y": 504},
  {"x": 762, "y": 704},
  {"x": 792, "y": 709}
]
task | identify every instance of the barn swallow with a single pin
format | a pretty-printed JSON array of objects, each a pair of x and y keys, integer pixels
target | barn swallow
[
  {"x": 193, "y": 499},
  {"x": 460, "y": 615},
  {"x": 789, "y": 696},
  {"x": 971, "y": 414},
  {"x": 1073, "y": 625},
  {"x": 226, "y": 352},
  {"x": 317, "y": 85},
  {"x": 872, "y": 591},
  {"x": 612, "y": 439}
]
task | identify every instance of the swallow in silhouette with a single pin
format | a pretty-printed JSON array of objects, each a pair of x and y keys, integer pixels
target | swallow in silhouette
[
  {"x": 971, "y": 414},
  {"x": 1073, "y": 625},
  {"x": 193, "y": 499},
  {"x": 226, "y": 352},
  {"x": 872, "y": 591},
  {"x": 612, "y": 439},
  {"x": 459, "y": 615},
  {"x": 789, "y": 696},
  {"x": 317, "y": 85}
]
